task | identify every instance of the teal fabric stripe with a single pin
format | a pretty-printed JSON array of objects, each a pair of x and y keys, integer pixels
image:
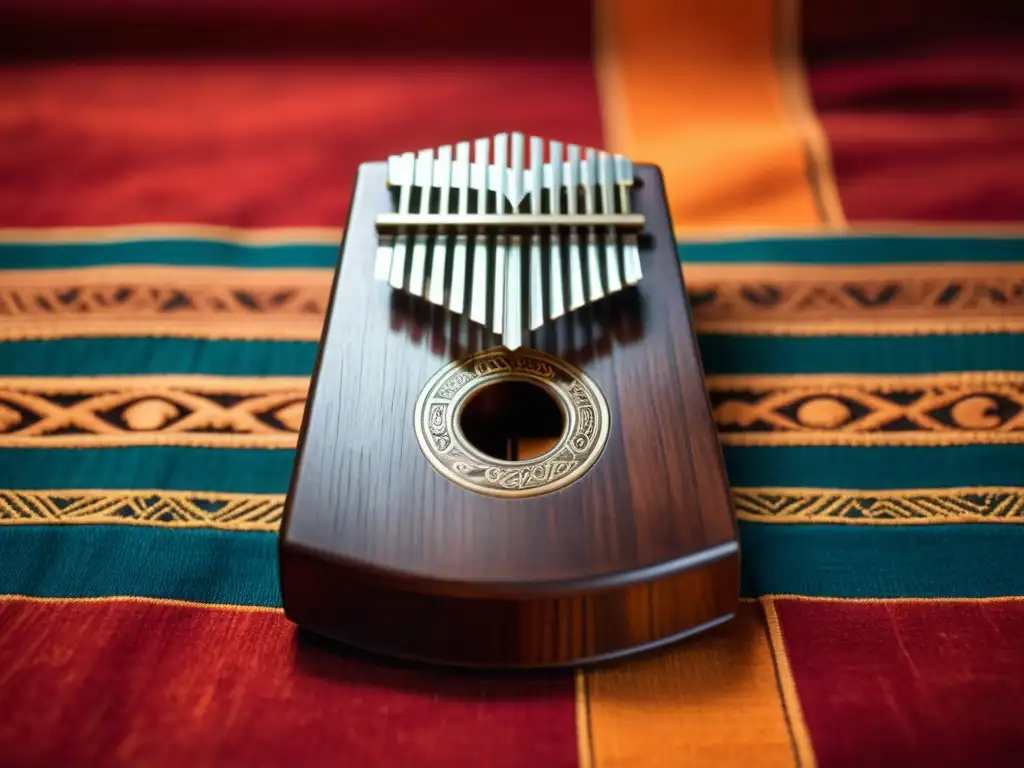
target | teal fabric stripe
[
  {"x": 100, "y": 561},
  {"x": 981, "y": 560},
  {"x": 719, "y": 353},
  {"x": 855, "y": 249},
  {"x": 241, "y": 568},
  {"x": 844, "y": 249},
  {"x": 145, "y": 468},
  {"x": 181, "y": 253},
  {"x": 268, "y": 471},
  {"x": 874, "y": 468},
  {"x": 115, "y": 357},
  {"x": 861, "y": 354}
]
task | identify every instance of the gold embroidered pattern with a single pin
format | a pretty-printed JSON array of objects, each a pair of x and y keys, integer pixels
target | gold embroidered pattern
[
  {"x": 263, "y": 512},
  {"x": 240, "y": 412},
  {"x": 946, "y": 505},
  {"x": 869, "y": 300},
  {"x": 127, "y": 300},
  {"x": 289, "y": 304},
  {"x": 210, "y": 411},
  {"x": 169, "y": 509},
  {"x": 932, "y": 409}
]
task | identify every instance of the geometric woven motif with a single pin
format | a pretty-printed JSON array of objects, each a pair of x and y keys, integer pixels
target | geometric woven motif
[
  {"x": 205, "y": 302},
  {"x": 262, "y": 512},
  {"x": 963, "y": 505},
  {"x": 781, "y": 299},
  {"x": 934, "y": 409},
  {"x": 152, "y": 410},
  {"x": 242, "y": 512},
  {"x": 212, "y": 302},
  {"x": 257, "y": 412}
]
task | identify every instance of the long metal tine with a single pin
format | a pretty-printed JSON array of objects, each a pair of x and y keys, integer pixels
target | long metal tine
[
  {"x": 500, "y": 246},
  {"x": 513, "y": 331},
  {"x": 572, "y": 193},
  {"x": 443, "y": 175},
  {"x": 478, "y": 293},
  {"x": 589, "y": 181},
  {"x": 556, "y": 289},
  {"x": 425, "y": 181},
  {"x": 396, "y": 277},
  {"x": 536, "y": 285},
  {"x": 605, "y": 182},
  {"x": 630, "y": 242},
  {"x": 456, "y": 296}
]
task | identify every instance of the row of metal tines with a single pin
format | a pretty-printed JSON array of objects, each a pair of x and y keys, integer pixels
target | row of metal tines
[{"x": 564, "y": 221}]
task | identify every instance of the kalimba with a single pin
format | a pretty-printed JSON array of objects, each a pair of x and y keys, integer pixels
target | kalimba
[{"x": 508, "y": 457}]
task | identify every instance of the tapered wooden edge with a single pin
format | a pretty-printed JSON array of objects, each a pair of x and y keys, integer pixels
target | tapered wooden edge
[
  {"x": 554, "y": 629},
  {"x": 513, "y": 590}
]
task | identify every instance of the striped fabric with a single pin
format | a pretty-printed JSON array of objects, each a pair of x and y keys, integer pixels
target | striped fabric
[{"x": 844, "y": 178}]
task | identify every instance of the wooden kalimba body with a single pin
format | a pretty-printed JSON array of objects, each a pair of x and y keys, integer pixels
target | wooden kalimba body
[{"x": 508, "y": 457}]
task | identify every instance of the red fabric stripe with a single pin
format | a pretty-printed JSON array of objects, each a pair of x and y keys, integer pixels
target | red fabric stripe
[
  {"x": 923, "y": 109},
  {"x": 254, "y": 145},
  {"x": 257, "y": 114},
  {"x": 403, "y": 28},
  {"x": 129, "y": 683},
  {"x": 908, "y": 683},
  {"x": 857, "y": 28}
]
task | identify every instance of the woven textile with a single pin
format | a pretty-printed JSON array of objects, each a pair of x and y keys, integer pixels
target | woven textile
[{"x": 845, "y": 183}]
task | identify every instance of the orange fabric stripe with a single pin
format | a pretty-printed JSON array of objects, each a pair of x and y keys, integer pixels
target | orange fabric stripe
[
  {"x": 714, "y": 93},
  {"x": 787, "y": 685},
  {"x": 713, "y": 700}
]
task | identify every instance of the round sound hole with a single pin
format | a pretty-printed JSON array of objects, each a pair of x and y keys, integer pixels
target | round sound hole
[
  {"x": 511, "y": 424},
  {"x": 512, "y": 420}
]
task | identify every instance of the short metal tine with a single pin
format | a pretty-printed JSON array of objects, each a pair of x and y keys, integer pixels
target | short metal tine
[
  {"x": 630, "y": 241},
  {"x": 605, "y": 176},
  {"x": 478, "y": 293},
  {"x": 456, "y": 296},
  {"x": 556, "y": 289},
  {"x": 589, "y": 181},
  {"x": 443, "y": 176},
  {"x": 500, "y": 240},
  {"x": 396, "y": 277},
  {"x": 386, "y": 242},
  {"x": 425, "y": 181},
  {"x": 572, "y": 192},
  {"x": 536, "y": 288},
  {"x": 513, "y": 335}
]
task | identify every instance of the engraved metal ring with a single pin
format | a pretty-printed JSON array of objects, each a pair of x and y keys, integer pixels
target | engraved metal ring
[{"x": 442, "y": 441}]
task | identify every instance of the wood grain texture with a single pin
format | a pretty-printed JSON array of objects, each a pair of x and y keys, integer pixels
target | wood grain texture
[{"x": 380, "y": 550}]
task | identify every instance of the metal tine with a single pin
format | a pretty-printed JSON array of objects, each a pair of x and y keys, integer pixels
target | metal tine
[
  {"x": 443, "y": 175},
  {"x": 425, "y": 181},
  {"x": 396, "y": 278},
  {"x": 630, "y": 241},
  {"x": 478, "y": 293},
  {"x": 500, "y": 247},
  {"x": 589, "y": 181},
  {"x": 555, "y": 293},
  {"x": 513, "y": 335},
  {"x": 456, "y": 296},
  {"x": 572, "y": 193},
  {"x": 386, "y": 243},
  {"x": 611, "y": 247},
  {"x": 536, "y": 285}
]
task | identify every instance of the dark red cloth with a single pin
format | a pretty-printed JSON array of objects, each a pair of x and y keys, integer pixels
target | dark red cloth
[
  {"x": 916, "y": 683},
  {"x": 93, "y": 683}
]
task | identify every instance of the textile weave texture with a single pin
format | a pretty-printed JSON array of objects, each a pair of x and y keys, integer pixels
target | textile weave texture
[{"x": 844, "y": 179}]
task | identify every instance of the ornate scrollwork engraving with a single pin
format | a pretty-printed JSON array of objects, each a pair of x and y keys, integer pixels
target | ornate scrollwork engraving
[{"x": 439, "y": 407}]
